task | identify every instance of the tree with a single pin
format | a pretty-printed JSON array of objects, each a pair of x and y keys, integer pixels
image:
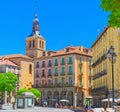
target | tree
[
  {"x": 22, "y": 90},
  {"x": 8, "y": 82},
  {"x": 36, "y": 92},
  {"x": 112, "y": 6}
]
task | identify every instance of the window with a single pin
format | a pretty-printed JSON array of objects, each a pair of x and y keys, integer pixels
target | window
[
  {"x": 33, "y": 43},
  {"x": 70, "y": 60},
  {"x": 63, "y": 61},
  {"x": 37, "y": 65},
  {"x": 30, "y": 69},
  {"x": 30, "y": 44},
  {"x": 80, "y": 81},
  {"x": 80, "y": 70},
  {"x": 40, "y": 43},
  {"x": 43, "y": 63},
  {"x": 43, "y": 53},
  {"x": 43, "y": 73},
  {"x": 63, "y": 81},
  {"x": 37, "y": 73},
  {"x": 90, "y": 62},
  {"x": 63, "y": 70},
  {"x": 56, "y": 62},
  {"x": 49, "y": 81},
  {"x": 56, "y": 71},
  {"x": 43, "y": 82},
  {"x": 50, "y": 63},
  {"x": 49, "y": 72},
  {"x": 70, "y": 69},
  {"x": 67, "y": 49},
  {"x": 70, "y": 81},
  {"x": 36, "y": 83},
  {"x": 80, "y": 59},
  {"x": 56, "y": 81},
  {"x": 90, "y": 71}
]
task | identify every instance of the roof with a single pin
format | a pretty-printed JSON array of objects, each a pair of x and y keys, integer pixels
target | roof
[
  {"x": 15, "y": 56},
  {"x": 73, "y": 50},
  {"x": 106, "y": 28},
  {"x": 7, "y": 62}
]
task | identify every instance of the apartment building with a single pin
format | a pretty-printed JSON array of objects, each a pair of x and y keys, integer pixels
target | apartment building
[
  {"x": 102, "y": 66},
  {"x": 65, "y": 74}
]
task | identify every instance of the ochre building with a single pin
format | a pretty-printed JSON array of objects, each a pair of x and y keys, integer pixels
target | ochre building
[{"x": 102, "y": 66}]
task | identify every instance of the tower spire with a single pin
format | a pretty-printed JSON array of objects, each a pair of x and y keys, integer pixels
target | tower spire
[{"x": 36, "y": 25}]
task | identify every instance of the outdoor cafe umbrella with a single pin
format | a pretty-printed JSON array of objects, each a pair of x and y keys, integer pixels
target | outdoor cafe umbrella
[
  {"x": 64, "y": 100},
  {"x": 108, "y": 100}
]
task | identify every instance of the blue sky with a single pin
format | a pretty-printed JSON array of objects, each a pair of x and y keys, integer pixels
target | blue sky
[{"x": 62, "y": 23}]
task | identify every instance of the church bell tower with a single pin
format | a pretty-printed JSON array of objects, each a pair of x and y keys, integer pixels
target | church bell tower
[{"x": 35, "y": 43}]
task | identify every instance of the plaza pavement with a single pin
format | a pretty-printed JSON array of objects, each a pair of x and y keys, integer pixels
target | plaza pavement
[{"x": 39, "y": 109}]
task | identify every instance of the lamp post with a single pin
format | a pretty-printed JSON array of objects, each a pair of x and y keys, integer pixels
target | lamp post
[{"x": 112, "y": 57}]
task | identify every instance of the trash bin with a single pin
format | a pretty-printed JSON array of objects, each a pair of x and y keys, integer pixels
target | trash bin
[{"x": 14, "y": 105}]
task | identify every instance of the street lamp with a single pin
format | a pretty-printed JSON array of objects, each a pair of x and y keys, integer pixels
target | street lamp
[{"x": 112, "y": 57}]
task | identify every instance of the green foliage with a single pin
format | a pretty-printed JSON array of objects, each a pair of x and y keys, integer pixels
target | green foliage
[
  {"x": 8, "y": 82},
  {"x": 22, "y": 90},
  {"x": 36, "y": 92},
  {"x": 112, "y": 6}
]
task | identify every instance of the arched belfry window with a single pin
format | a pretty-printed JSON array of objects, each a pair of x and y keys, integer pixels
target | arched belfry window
[
  {"x": 33, "y": 43},
  {"x": 40, "y": 43},
  {"x": 29, "y": 44},
  {"x": 30, "y": 69}
]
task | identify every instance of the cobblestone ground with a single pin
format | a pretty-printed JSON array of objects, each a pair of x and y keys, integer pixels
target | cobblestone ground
[{"x": 39, "y": 109}]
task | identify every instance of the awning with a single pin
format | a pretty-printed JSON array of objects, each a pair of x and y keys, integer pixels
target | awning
[{"x": 88, "y": 97}]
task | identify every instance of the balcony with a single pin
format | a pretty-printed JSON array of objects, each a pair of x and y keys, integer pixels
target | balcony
[
  {"x": 70, "y": 62},
  {"x": 101, "y": 89},
  {"x": 55, "y": 64},
  {"x": 70, "y": 73},
  {"x": 62, "y": 63},
  {"x": 43, "y": 75},
  {"x": 49, "y": 64},
  {"x": 70, "y": 85},
  {"x": 55, "y": 74},
  {"x": 43, "y": 65},
  {"x": 62, "y": 73},
  {"x": 104, "y": 57},
  {"x": 36, "y": 85},
  {"x": 49, "y": 74},
  {"x": 100, "y": 74}
]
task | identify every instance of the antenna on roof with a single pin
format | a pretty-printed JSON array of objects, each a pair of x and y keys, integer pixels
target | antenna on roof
[{"x": 98, "y": 31}]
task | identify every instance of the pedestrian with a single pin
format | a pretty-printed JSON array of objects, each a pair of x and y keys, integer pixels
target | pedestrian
[{"x": 56, "y": 105}]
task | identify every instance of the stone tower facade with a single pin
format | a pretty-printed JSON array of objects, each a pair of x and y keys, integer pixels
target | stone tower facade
[{"x": 35, "y": 43}]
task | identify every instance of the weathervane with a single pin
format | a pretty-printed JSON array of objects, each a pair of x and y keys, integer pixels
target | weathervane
[{"x": 36, "y": 6}]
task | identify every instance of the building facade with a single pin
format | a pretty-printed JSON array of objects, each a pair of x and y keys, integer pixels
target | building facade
[
  {"x": 102, "y": 67},
  {"x": 26, "y": 66},
  {"x": 35, "y": 43},
  {"x": 65, "y": 74},
  {"x": 6, "y": 66}
]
